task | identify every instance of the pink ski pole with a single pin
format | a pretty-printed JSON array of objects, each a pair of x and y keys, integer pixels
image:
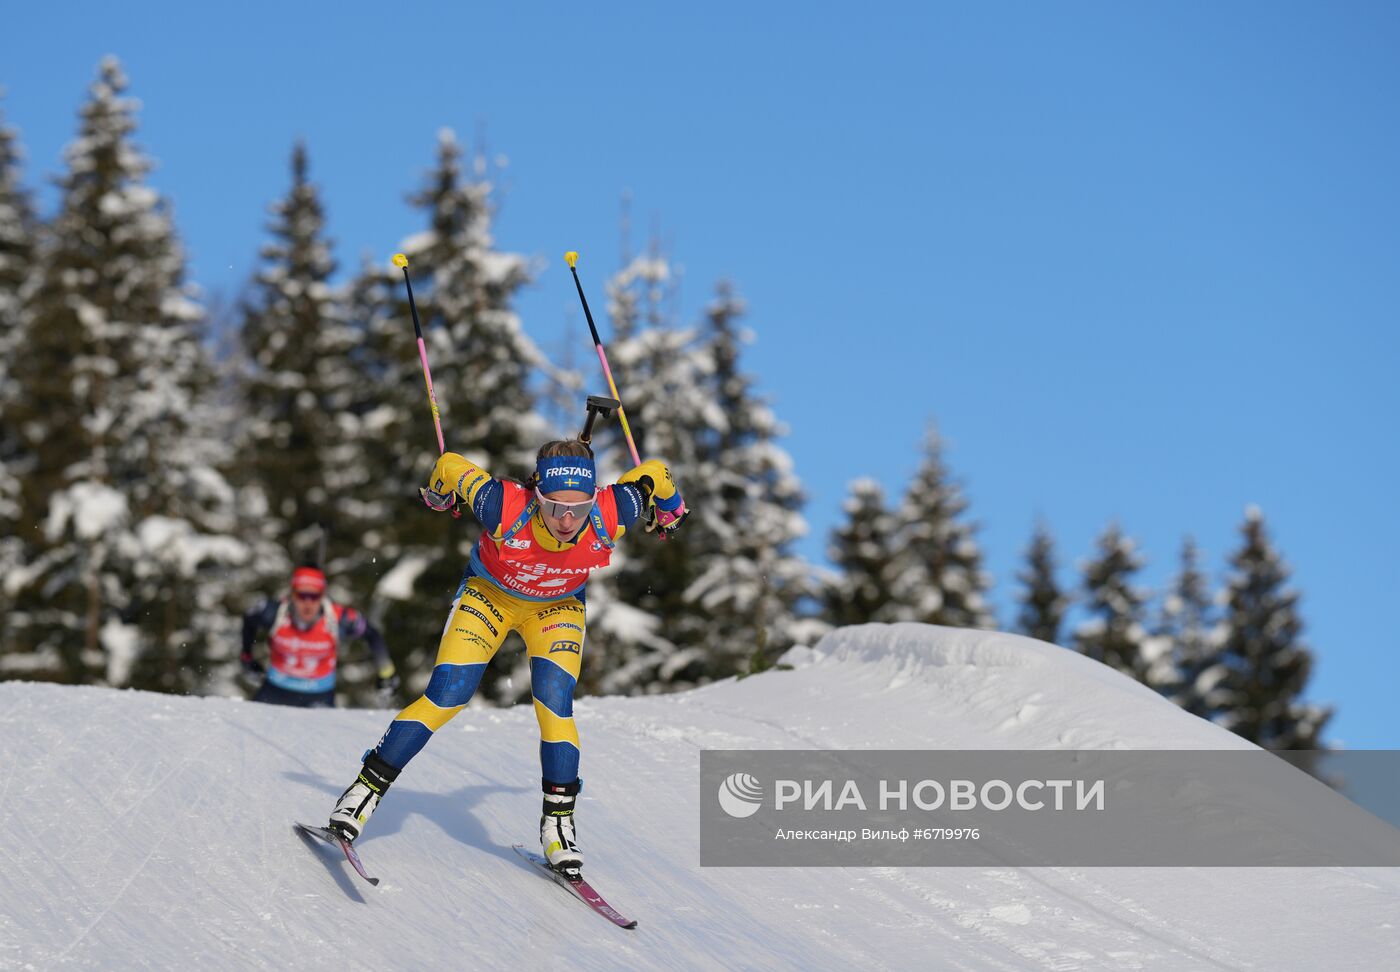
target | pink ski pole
[{"x": 401, "y": 262}]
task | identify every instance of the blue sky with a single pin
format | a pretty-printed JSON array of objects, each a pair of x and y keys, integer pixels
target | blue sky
[{"x": 1139, "y": 262}]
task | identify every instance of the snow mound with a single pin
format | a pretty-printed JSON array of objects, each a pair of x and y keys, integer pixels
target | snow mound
[
  {"x": 977, "y": 690},
  {"x": 140, "y": 830}
]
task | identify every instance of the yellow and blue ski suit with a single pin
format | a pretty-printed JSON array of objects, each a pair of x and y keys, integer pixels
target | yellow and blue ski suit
[{"x": 520, "y": 578}]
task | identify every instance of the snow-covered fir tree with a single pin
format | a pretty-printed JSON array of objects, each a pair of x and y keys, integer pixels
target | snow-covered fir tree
[
  {"x": 723, "y": 596},
  {"x": 18, "y": 230},
  {"x": 665, "y": 380},
  {"x": 1043, "y": 602},
  {"x": 466, "y": 302},
  {"x": 749, "y": 594},
  {"x": 861, "y": 549},
  {"x": 133, "y": 518},
  {"x": 1183, "y": 655},
  {"x": 938, "y": 565},
  {"x": 650, "y": 634},
  {"x": 1267, "y": 662},
  {"x": 1113, "y": 633},
  {"x": 296, "y": 387},
  {"x": 407, "y": 558}
]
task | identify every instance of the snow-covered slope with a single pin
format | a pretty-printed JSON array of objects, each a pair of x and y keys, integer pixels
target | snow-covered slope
[{"x": 152, "y": 831}]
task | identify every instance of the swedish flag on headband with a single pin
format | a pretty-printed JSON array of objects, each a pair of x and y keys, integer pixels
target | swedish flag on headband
[{"x": 565, "y": 472}]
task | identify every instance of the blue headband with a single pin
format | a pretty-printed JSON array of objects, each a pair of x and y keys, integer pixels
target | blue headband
[{"x": 565, "y": 472}]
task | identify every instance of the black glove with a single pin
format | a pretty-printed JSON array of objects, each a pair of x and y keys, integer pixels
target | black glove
[{"x": 252, "y": 668}]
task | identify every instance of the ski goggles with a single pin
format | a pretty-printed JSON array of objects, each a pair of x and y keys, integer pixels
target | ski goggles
[{"x": 560, "y": 510}]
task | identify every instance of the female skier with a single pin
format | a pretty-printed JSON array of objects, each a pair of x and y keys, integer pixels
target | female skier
[{"x": 527, "y": 573}]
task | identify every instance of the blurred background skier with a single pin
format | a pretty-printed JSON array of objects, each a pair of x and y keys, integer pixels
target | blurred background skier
[
  {"x": 539, "y": 542},
  {"x": 306, "y": 629}
]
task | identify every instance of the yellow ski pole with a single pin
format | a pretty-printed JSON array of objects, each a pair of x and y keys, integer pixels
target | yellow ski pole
[{"x": 571, "y": 258}]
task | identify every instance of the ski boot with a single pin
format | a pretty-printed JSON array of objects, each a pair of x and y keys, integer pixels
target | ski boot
[
  {"x": 355, "y": 805},
  {"x": 557, "y": 828}
]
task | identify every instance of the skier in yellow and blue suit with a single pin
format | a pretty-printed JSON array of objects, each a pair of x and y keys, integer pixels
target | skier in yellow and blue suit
[{"x": 540, "y": 540}]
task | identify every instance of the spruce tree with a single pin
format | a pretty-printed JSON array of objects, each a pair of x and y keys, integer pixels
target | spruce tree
[
  {"x": 938, "y": 565},
  {"x": 653, "y": 637},
  {"x": 488, "y": 366},
  {"x": 1186, "y": 659},
  {"x": 1113, "y": 632},
  {"x": 64, "y": 405},
  {"x": 752, "y": 583},
  {"x": 861, "y": 550},
  {"x": 296, "y": 383},
  {"x": 18, "y": 230},
  {"x": 1043, "y": 603},
  {"x": 17, "y": 255},
  {"x": 1268, "y": 662},
  {"x": 136, "y": 516},
  {"x": 483, "y": 367}
]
